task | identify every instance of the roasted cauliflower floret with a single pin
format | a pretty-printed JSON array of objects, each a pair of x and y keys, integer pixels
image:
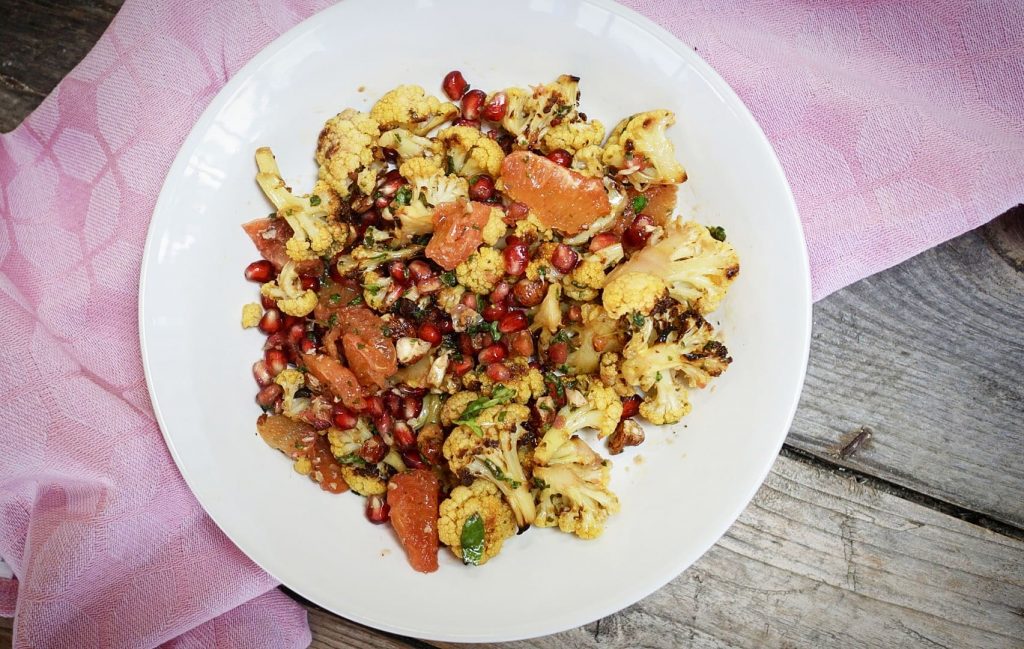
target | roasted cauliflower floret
[
  {"x": 483, "y": 499},
  {"x": 345, "y": 152},
  {"x": 640, "y": 151},
  {"x": 549, "y": 313},
  {"x": 364, "y": 479},
  {"x": 316, "y": 231},
  {"x": 530, "y": 113},
  {"x": 456, "y": 405},
  {"x": 430, "y": 187},
  {"x": 287, "y": 291},
  {"x": 495, "y": 228},
  {"x": 526, "y": 381},
  {"x": 482, "y": 271},
  {"x": 611, "y": 375},
  {"x": 375, "y": 290},
  {"x": 409, "y": 107},
  {"x": 598, "y": 332},
  {"x": 599, "y": 408},
  {"x": 251, "y": 315},
  {"x": 574, "y": 492},
  {"x": 666, "y": 402},
  {"x": 632, "y": 292},
  {"x": 292, "y": 380},
  {"x": 588, "y": 161},
  {"x": 573, "y": 136},
  {"x": 531, "y": 229},
  {"x": 408, "y": 145},
  {"x": 588, "y": 278},
  {"x": 469, "y": 152},
  {"x": 697, "y": 268}
]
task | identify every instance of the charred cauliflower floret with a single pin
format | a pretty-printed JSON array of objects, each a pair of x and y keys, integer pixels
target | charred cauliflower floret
[
  {"x": 375, "y": 290},
  {"x": 632, "y": 292},
  {"x": 345, "y": 152},
  {"x": 588, "y": 278},
  {"x": 408, "y": 145},
  {"x": 589, "y": 161},
  {"x": 456, "y": 405},
  {"x": 363, "y": 478},
  {"x": 482, "y": 271},
  {"x": 526, "y": 381},
  {"x": 597, "y": 333},
  {"x": 483, "y": 500},
  {"x": 573, "y": 136},
  {"x": 611, "y": 375},
  {"x": 666, "y": 402},
  {"x": 530, "y": 113},
  {"x": 531, "y": 229},
  {"x": 288, "y": 293},
  {"x": 640, "y": 151},
  {"x": 409, "y": 107},
  {"x": 313, "y": 218},
  {"x": 292, "y": 380},
  {"x": 599, "y": 408},
  {"x": 574, "y": 492},
  {"x": 430, "y": 187},
  {"x": 697, "y": 268},
  {"x": 469, "y": 152}
]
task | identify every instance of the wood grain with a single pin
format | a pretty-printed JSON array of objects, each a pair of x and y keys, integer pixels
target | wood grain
[
  {"x": 929, "y": 355},
  {"x": 818, "y": 559}
]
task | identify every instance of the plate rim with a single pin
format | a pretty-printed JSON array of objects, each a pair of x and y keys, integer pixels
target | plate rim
[{"x": 731, "y": 99}]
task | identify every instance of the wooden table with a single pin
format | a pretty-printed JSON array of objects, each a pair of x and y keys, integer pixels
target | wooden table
[{"x": 913, "y": 538}]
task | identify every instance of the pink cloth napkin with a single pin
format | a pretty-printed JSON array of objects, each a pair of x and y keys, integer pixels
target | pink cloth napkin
[{"x": 898, "y": 126}]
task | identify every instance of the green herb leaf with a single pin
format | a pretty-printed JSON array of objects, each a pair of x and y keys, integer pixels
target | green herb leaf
[
  {"x": 499, "y": 474},
  {"x": 404, "y": 195},
  {"x": 500, "y": 395},
  {"x": 639, "y": 203},
  {"x": 449, "y": 167},
  {"x": 333, "y": 320},
  {"x": 335, "y": 298},
  {"x": 638, "y": 319},
  {"x": 356, "y": 300},
  {"x": 717, "y": 232},
  {"x": 448, "y": 277},
  {"x": 351, "y": 459},
  {"x": 472, "y": 540},
  {"x": 539, "y": 484},
  {"x": 314, "y": 200}
]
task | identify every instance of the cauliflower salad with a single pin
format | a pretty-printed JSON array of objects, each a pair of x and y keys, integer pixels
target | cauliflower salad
[{"x": 473, "y": 296}]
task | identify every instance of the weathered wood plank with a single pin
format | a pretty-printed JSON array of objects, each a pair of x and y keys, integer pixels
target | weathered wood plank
[
  {"x": 818, "y": 559},
  {"x": 929, "y": 355}
]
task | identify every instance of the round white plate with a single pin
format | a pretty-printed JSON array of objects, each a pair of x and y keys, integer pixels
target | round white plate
[{"x": 680, "y": 490}]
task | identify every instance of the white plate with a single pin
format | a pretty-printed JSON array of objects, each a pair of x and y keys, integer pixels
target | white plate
[{"x": 680, "y": 491}]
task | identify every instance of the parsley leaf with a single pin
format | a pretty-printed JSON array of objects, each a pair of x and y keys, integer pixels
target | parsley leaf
[
  {"x": 638, "y": 319},
  {"x": 472, "y": 540},
  {"x": 639, "y": 203},
  {"x": 500, "y": 395},
  {"x": 314, "y": 200},
  {"x": 448, "y": 277},
  {"x": 717, "y": 232}
]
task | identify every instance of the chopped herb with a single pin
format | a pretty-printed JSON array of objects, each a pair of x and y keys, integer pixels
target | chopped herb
[
  {"x": 372, "y": 289},
  {"x": 500, "y": 395},
  {"x": 486, "y": 328},
  {"x": 472, "y": 540},
  {"x": 398, "y": 138},
  {"x": 351, "y": 458},
  {"x": 356, "y": 300},
  {"x": 638, "y": 319},
  {"x": 404, "y": 195},
  {"x": 386, "y": 330},
  {"x": 449, "y": 166},
  {"x": 562, "y": 110},
  {"x": 717, "y": 232},
  {"x": 542, "y": 271},
  {"x": 639, "y": 203},
  {"x": 562, "y": 336},
  {"x": 657, "y": 376},
  {"x": 499, "y": 474},
  {"x": 448, "y": 277},
  {"x": 539, "y": 484},
  {"x": 314, "y": 200},
  {"x": 501, "y": 416},
  {"x": 335, "y": 298},
  {"x": 421, "y": 239},
  {"x": 333, "y": 320}
]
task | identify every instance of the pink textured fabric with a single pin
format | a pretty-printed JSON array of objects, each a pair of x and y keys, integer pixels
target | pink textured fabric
[{"x": 898, "y": 126}]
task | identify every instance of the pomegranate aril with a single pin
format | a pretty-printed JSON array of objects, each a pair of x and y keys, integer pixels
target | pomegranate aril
[
  {"x": 471, "y": 123},
  {"x": 560, "y": 157},
  {"x": 392, "y": 403},
  {"x": 309, "y": 283},
  {"x": 412, "y": 459},
  {"x": 514, "y": 321},
  {"x": 343, "y": 417},
  {"x": 373, "y": 450},
  {"x": 521, "y": 343},
  {"x": 482, "y": 188},
  {"x": 276, "y": 360},
  {"x": 271, "y": 321},
  {"x": 429, "y": 333},
  {"x": 492, "y": 354},
  {"x": 374, "y": 406},
  {"x": 454, "y": 85},
  {"x": 575, "y": 313},
  {"x": 377, "y": 510},
  {"x": 500, "y": 292},
  {"x": 261, "y": 373},
  {"x": 495, "y": 107},
  {"x": 471, "y": 300},
  {"x": 384, "y": 424},
  {"x": 603, "y": 240},
  {"x": 461, "y": 366},
  {"x": 296, "y": 333},
  {"x": 269, "y": 395},
  {"x": 404, "y": 436},
  {"x": 268, "y": 302},
  {"x": 630, "y": 406},
  {"x": 495, "y": 311},
  {"x": 558, "y": 353},
  {"x": 472, "y": 102},
  {"x": 411, "y": 407},
  {"x": 564, "y": 258},
  {"x": 516, "y": 258},
  {"x": 419, "y": 270},
  {"x": 638, "y": 232},
  {"x": 307, "y": 346},
  {"x": 259, "y": 271},
  {"x": 528, "y": 292},
  {"x": 498, "y": 372},
  {"x": 429, "y": 285},
  {"x": 516, "y": 212},
  {"x": 399, "y": 272},
  {"x": 466, "y": 344}
]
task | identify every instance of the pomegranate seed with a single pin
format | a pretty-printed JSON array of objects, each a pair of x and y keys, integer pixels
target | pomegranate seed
[
  {"x": 399, "y": 272},
  {"x": 307, "y": 346},
  {"x": 471, "y": 300},
  {"x": 558, "y": 353},
  {"x": 419, "y": 270},
  {"x": 368, "y": 218},
  {"x": 495, "y": 107},
  {"x": 445, "y": 325},
  {"x": 430, "y": 444},
  {"x": 482, "y": 188},
  {"x": 375, "y": 406},
  {"x": 270, "y": 323},
  {"x": 296, "y": 333},
  {"x": 516, "y": 212},
  {"x": 481, "y": 340},
  {"x": 261, "y": 373},
  {"x": 390, "y": 156},
  {"x": 630, "y": 406},
  {"x": 454, "y": 85},
  {"x": 516, "y": 258},
  {"x": 498, "y": 372},
  {"x": 373, "y": 450},
  {"x": 500, "y": 292},
  {"x": 392, "y": 182},
  {"x": 392, "y": 403},
  {"x": 638, "y": 232},
  {"x": 309, "y": 283},
  {"x": 602, "y": 241},
  {"x": 384, "y": 424},
  {"x": 575, "y": 313},
  {"x": 495, "y": 311},
  {"x": 343, "y": 417},
  {"x": 529, "y": 292},
  {"x": 259, "y": 271},
  {"x": 560, "y": 157},
  {"x": 429, "y": 285},
  {"x": 377, "y": 510},
  {"x": 429, "y": 333},
  {"x": 521, "y": 343},
  {"x": 269, "y": 395},
  {"x": 471, "y": 104},
  {"x": 411, "y": 406},
  {"x": 466, "y": 344},
  {"x": 471, "y": 123},
  {"x": 267, "y": 302},
  {"x": 276, "y": 360},
  {"x": 514, "y": 321},
  {"x": 564, "y": 258},
  {"x": 462, "y": 366},
  {"x": 492, "y": 354},
  {"x": 412, "y": 459},
  {"x": 404, "y": 437}
]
